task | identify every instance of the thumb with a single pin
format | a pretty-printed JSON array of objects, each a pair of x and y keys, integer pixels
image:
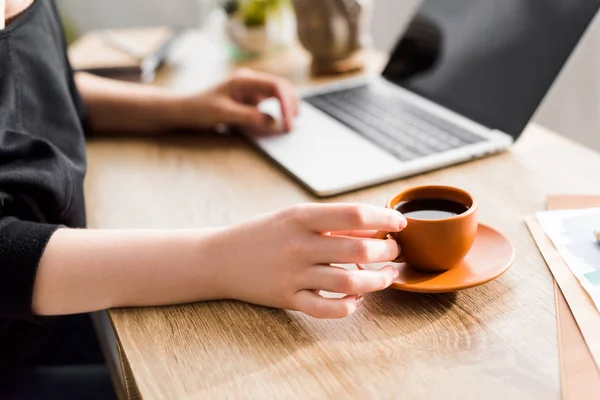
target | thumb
[{"x": 245, "y": 115}]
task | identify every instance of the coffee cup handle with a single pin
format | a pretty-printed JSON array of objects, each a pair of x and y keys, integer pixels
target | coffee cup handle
[{"x": 386, "y": 235}]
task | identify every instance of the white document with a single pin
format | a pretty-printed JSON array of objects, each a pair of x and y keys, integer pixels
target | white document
[{"x": 572, "y": 233}]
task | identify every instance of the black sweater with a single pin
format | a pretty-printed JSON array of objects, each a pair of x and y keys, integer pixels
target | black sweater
[{"x": 42, "y": 165}]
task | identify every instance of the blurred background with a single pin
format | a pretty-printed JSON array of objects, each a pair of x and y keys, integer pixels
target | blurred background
[{"x": 572, "y": 108}]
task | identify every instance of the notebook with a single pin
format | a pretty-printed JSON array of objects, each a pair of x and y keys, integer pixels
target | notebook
[{"x": 117, "y": 53}]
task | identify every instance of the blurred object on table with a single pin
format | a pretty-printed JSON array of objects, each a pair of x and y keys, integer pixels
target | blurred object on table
[
  {"x": 258, "y": 27},
  {"x": 335, "y": 33},
  {"x": 205, "y": 9},
  {"x": 128, "y": 54}
]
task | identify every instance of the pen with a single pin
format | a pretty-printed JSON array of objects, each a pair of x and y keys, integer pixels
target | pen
[{"x": 151, "y": 63}]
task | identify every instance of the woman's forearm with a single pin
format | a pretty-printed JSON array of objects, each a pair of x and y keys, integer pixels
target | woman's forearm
[
  {"x": 280, "y": 259},
  {"x": 117, "y": 107},
  {"x": 89, "y": 270},
  {"x": 127, "y": 107}
]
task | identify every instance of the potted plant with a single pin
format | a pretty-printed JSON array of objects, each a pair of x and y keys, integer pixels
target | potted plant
[{"x": 259, "y": 26}]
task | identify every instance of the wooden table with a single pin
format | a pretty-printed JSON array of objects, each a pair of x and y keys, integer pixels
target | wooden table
[{"x": 491, "y": 342}]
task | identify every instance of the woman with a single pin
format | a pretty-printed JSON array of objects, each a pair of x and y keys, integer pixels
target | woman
[{"x": 50, "y": 266}]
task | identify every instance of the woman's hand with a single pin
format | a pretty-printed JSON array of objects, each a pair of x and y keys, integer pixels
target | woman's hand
[
  {"x": 235, "y": 103},
  {"x": 117, "y": 107},
  {"x": 283, "y": 259}
]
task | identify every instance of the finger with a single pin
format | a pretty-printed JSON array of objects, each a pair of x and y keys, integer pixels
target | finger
[
  {"x": 342, "y": 250},
  {"x": 257, "y": 99},
  {"x": 296, "y": 104},
  {"x": 270, "y": 86},
  {"x": 286, "y": 95},
  {"x": 344, "y": 217},
  {"x": 246, "y": 115},
  {"x": 294, "y": 100},
  {"x": 340, "y": 280},
  {"x": 364, "y": 234},
  {"x": 317, "y": 306}
]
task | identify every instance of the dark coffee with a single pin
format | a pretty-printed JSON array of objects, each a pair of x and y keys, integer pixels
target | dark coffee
[{"x": 431, "y": 208}]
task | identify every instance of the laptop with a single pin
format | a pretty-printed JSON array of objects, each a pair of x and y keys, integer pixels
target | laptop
[{"x": 462, "y": 82}]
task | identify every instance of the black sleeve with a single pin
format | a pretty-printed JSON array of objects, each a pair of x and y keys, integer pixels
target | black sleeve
[
  {"x": 42, "y": 151},
  {"x": 35, "y": 191},
  {"x": 22, "y": 245}
]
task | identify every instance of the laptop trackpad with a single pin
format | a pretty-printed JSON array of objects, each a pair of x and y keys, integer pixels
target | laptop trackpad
[{"x": 324, "y": 154}]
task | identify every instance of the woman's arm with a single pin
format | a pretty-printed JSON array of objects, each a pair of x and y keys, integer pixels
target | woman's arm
[
  {"x": 127, "y": 107},
  {"x": 87, "y": 270},
  {"x": 277, "y": 260}
]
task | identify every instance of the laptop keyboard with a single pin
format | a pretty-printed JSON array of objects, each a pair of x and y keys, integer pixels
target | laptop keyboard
[{"x": 391, "y": 123}]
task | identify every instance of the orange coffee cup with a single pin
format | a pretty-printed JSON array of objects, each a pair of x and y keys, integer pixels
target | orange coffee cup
[{"x": 435, "y": 245}]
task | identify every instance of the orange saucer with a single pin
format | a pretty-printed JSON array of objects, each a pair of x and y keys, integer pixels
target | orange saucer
[{"x": 491, "y": 255}]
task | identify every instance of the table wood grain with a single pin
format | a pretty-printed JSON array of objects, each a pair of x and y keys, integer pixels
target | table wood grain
[{"x": 497, "y": 341}]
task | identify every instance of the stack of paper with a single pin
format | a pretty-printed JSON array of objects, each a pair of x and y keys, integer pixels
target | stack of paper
[{"x": 566, "y": 239}]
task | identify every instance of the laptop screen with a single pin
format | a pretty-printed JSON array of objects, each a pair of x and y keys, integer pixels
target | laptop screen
[{"x": 490, "y": 60}]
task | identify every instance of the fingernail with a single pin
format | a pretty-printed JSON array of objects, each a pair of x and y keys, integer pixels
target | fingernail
[
  {"x": 402, "y": 224},
  {"x": 396, "y": 269},
  {"x": 359, "y": 299},
  {"x": 269, "y": 121}
]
